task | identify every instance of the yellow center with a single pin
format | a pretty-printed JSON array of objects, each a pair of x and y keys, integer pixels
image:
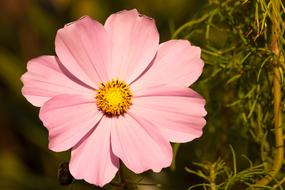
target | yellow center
[{"x": 114, "y": 97}]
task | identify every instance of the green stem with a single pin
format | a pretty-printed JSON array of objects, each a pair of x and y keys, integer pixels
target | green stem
[
  {"x": 279, "y": 184},
  {"x": 124, "y": 184},
  {"x": 192, "y": 23},
  {"x": 213, "y": 174},
  {"x": 279, "y": 144}
]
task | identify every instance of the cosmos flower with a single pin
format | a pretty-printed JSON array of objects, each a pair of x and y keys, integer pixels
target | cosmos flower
[{"x": 112, "y": 92}]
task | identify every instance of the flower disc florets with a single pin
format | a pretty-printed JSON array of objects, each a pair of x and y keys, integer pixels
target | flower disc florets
[{"x": 114, "y": 97}]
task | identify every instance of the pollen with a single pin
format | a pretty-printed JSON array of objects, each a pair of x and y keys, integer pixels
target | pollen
[{"x": 114, "y": 98}]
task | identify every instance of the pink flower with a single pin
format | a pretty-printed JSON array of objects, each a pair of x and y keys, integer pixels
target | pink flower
[{"x": 113, "y": 92}]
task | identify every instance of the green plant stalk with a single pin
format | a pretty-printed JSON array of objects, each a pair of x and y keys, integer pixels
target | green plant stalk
[
  {"x": 123, "y": 182},
  {"x": 190, "y": 24},
  {"x": 279, "y": 183},
  {"x": 122, "y": 178},
  {"x": 213, "y": 174},
  {"x": 279, "y": 154}
]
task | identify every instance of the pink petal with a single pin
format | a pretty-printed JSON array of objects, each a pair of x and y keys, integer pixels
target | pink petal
[
  {"x": 83, "y": 48},
  {"x": 135, "y": 40},
  {"x": 68, "y": 119},
  {"x": 92, "y": 159},
  {"x": 46, "y": 78},
  {"x": 176, "y": 63},
  {"x": 176, "y": 111},
  {"x": 139, "y": 145}
]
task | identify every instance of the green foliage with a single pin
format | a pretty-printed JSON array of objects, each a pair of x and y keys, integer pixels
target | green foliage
[
  {"x": 220, "y": 176},
  {"x": 236, "y": 41}
]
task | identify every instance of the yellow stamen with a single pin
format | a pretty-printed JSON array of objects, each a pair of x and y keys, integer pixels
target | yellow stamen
[{"x": 114, "y": 97}]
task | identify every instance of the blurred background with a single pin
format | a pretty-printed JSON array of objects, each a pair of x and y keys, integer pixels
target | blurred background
[{"x": 28, "y": 29}]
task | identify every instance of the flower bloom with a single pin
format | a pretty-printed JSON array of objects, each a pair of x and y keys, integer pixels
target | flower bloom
[{"x": 113, "y": 92}]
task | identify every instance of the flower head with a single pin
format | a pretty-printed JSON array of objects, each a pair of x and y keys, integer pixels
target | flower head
[
  {"x": 114, "y": 97},
  {"x": 113, "y": 92}
]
